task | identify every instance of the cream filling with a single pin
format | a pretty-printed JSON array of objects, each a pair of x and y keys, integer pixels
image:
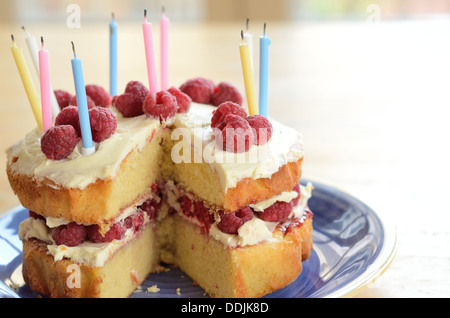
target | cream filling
[
  {"x": 89, "y": 253},
  {"x": 254, "y": 231}
]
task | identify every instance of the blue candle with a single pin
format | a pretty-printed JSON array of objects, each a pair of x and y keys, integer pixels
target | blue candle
[
  {"x": 264, "y": 43},
  {"x": 113, "y": 57},
  {"x": 83, "y": 113}
]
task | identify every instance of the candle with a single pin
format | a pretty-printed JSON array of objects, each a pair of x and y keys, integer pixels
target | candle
[
  {"x": 164, "y": 30},
  {"x": 264, "y": 43},
  {"x": 83, "y": 113},
  {"x": 150, "y": 55},
  {"x": 33, "y": 97},
  {"x": 113, "y": 57},
  {"x": 248, "y": 38},
  {"x": 248, "y": 76},
  {"x": 44, "y": 76},
  {"x": 33, "y": 49}
]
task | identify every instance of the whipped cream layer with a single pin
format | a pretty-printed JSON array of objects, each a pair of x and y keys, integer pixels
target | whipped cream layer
[
  {"x": 285, "y": 145},
  {"x": 78, "y": 171},
  {"x": 257, "y": 230},
  {"x": 89, "y": 253}
]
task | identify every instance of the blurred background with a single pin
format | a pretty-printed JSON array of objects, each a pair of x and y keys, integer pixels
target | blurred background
[
  {"x": 365, "y": 81},
  {"x": 204, "y": 10}
]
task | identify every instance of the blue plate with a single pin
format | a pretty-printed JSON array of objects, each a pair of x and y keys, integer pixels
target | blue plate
[{"x": 353, "y": 246}]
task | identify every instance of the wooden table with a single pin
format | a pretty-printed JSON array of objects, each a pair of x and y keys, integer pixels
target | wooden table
[{"x": 371, "y": 100}]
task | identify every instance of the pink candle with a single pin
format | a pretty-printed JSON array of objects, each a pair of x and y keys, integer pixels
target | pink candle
[
  {"x": 164, "y": 29},
  {"x": 44, "y": 76},
  {"x": 150, "y": 55}
]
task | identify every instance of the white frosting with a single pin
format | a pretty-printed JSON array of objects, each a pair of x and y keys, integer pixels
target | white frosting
[
  {"x": 285, "y": 196},
  {"x": 284, "y": 146},
  {"x": 78, "y": 171}
]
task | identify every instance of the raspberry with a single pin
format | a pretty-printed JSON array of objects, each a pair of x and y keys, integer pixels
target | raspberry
[
  {"x": 33, "y": 214},
  {"x": 70, "y": 234},
  {"x": 202, "y": 213},
  {"x": 160, "y": 106},
  {"x": 138, "y": 89},
  {"x": 235, "y": 135},
  {"x": 99, "y": 95},
  {"x": 276, "y": 212},
  {"x": 225, "y": 109},
  {"x": 225, "y": 92},
  {"x": 115, "y": 232},
  {"x": 150, "y": 207},
  {"x": 296, "y": 199},
  {"x": 199, "y": 89},
  {"x": 128, "y": 104},
  {"x": 134, "y": 221},
  {"x": 183, "y": 100},
  {"x": 262, "y": 129},
  {"x": 103, "y": 123},
  {"x": 90, "y": 102},
  {"x": 231, "y": 222},
  {"x": 69, "y": 116},
  {"x": 186, "y": 205},
  {"x": 59, "y": 141},
  {"x": 63, "y": 98}
]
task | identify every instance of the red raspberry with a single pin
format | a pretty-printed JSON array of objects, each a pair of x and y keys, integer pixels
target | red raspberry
[
  {"x": 63, "y": 98},
  {"x": 276, "y": 212},
  {"x": 262, "y": 129},
  {"x": 225, "y": 109},
  {"x": 199, "y": 89},
  {"x": 103, "y": 123},
  {"x": 129, "y": 105},
  {"x": 225, "y": 92},
  {"x": 138, "y": 89},
  {"x": 151, "y": 207},
  {"x": 134, "y": 221},
  {"x": 183, "y": 100},
  {"x": 69, "y": 116},
  {"x": 33, "y": 214},
  {"x": 160, "y": 106},
  {"x": 186, "y": 205},
  {"x": 59, "y": 141},
  {"x": 115, "y": 232},
  {"x": 203, "y": 215},
  {"x": 231, "y": 222},
  {"x": 294, "y": 201},
  {"x": 236, "y": 134},
  {"x": 70, "y": 234},
  {"x": 99, "y": 95},
  {"x": 90, "y": 102}
]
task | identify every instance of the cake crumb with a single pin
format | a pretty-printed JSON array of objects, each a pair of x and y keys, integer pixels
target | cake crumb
[
  {"x": 178, "y": 292},
  {"x": 153, "y": 289}
]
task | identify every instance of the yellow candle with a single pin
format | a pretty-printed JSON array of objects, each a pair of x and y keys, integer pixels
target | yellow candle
[
  {"x": 248, "y": 77},
  {"x": 27, "y": 82}
]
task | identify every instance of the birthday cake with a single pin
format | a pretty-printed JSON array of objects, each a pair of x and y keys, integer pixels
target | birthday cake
[{"x": 182, "y": 177}]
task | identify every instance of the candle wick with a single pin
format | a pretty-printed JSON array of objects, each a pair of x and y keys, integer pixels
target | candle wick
[
  {"x": 145, "y": 13},
  {"x": 12, "y": 38},
  {"x": 23, "y": 28},
  {"x": 242, "y": 35},
  {"x": 113, "y": 16},
  {"x": 264, "y": 28},
  {"x": 163, "y": 9},
  {"x": 246, "y": 24},
  {"x": 73, "y": 49},
  {"x": 42, "y": 41}
]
